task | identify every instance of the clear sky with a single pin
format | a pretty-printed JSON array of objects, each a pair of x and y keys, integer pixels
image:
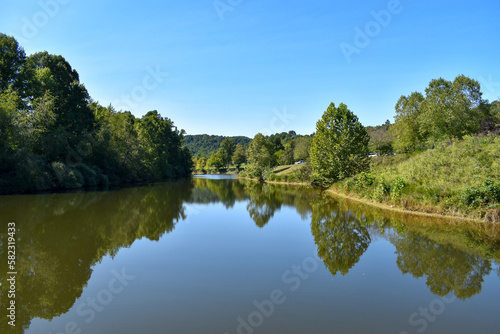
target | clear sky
[{"x": 239, "y": 67}]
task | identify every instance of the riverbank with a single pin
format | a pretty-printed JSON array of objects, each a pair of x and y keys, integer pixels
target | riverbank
[
  {"x": 399, "y": 209},
  {"x": 387, "y": 207},
  {"x": 276, "y": 182},
  {"x": 346, "y": 190},
  {"x": 458, "y": 179}
]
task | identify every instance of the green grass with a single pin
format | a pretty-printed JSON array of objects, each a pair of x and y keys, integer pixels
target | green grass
[
  {"x": 460, "y": 178},
  {"x": 286, "y": 169},
  {"x": 290, "y": 173}
]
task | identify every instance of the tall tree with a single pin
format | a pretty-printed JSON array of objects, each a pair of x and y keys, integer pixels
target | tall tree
[
  {"x": 216, "y": 161},
  {"x": 239, "y": 156},
  {"x": 340, "y": 146},
  {"x": 227, "y": 147},
  {"x": 74, "y": 118},
  {"x": 407, "y": 128},
  {"x": 451, "y": 109},
  {"x": 12, "y": 58},
  {"x": 201, "y": 164},
  {"x": 302, "y": 148},
  {"x": 259, "y": 156},
  {"x": 8, "y": 131},
  {"x": 286, "y": 157}
]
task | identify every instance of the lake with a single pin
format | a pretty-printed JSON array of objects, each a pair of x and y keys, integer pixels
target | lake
[{"x": 220, "y": 255}]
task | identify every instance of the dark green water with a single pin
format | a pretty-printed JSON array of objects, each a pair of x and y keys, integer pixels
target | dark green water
[{"x": 230, "y": 256}]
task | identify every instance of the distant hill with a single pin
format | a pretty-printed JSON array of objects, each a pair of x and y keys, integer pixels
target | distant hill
[{"x": 205, "y": 145}]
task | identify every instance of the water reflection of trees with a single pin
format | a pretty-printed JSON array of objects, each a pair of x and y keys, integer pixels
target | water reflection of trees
[
  {"x": 447, "y": 269},
  {"x": 225, "y": 191},
  {"x": 62, "y": 236},
  {"x": 263, "y": 200},
  {"x": 340, "y": 236},
  {"x": 453, "y": 256}
]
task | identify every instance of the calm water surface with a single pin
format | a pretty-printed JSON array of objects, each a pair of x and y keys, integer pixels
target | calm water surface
[{"x": 218, "y": 255}]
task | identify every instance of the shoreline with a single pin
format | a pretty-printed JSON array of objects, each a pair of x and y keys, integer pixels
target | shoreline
[
  {"x": 277, "y": 182},
  {"x": 394, "y": 208}
]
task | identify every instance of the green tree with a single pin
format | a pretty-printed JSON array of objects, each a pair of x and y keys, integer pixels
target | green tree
[
  {"x": 74, "y": 118},
  {"x": 451, "y": 109},
  {"x": 47, "y": 119},
  {"x": 161, "y": 143},
  {"x": 407, "y": 129},
  {"x": 302, "y": 148},
  {"x": 286, "y": 157},
  {"x": 259, "y": 156},
  {"x": 340, "y": 146},
  {"x": 117, "y": 148},
  {"x": 216, "y": 161},
  {"x": 38, "y": 125},
  {"x": 8, "y": 131},
  {"x": 239, "y": 156},
  {"x": 201, "y": 164},
  {"x": 12, "y": 58},
  {"x": 227, "y": 148}
]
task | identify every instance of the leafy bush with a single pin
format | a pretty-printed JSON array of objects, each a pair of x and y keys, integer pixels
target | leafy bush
[
  {"x": 397, "y": 188},
  {"x": 365, "y": 180},
  {"x": 381, "y": 190},
  {"x": 487, "y": 193}
]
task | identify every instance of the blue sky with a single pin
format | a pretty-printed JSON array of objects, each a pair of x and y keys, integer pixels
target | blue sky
[{"x": 239, "y": 67}]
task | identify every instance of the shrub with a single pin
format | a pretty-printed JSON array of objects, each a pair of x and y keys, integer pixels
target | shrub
[
  {"x": 365, "y": 180},
  {"x": 487, "y": 193},
  {"x": 381, "y": 190},
  {"x": 397, "y": 188}
]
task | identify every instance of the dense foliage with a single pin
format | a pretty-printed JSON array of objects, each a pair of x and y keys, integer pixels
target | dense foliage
[
  {"x": 266, "y": 152},
  {"x": 340, "y": 146},
  {"x": 206, "y": 145},
  {"x": 53, "y": 136},
  {"x": 449, "y": 110}
]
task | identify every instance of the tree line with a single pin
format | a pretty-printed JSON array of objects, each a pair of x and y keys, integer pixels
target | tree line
[
  {"x": 447, "y": 111},
  {"x": 205, "y": 145},
  {"x": 262, "y": 154},
  {"x": 341, "y": 145},
  {"x": 54, "y": 136}
]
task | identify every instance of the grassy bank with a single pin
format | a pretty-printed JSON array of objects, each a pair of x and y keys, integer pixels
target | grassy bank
[{"x": 457, "y": 179}]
